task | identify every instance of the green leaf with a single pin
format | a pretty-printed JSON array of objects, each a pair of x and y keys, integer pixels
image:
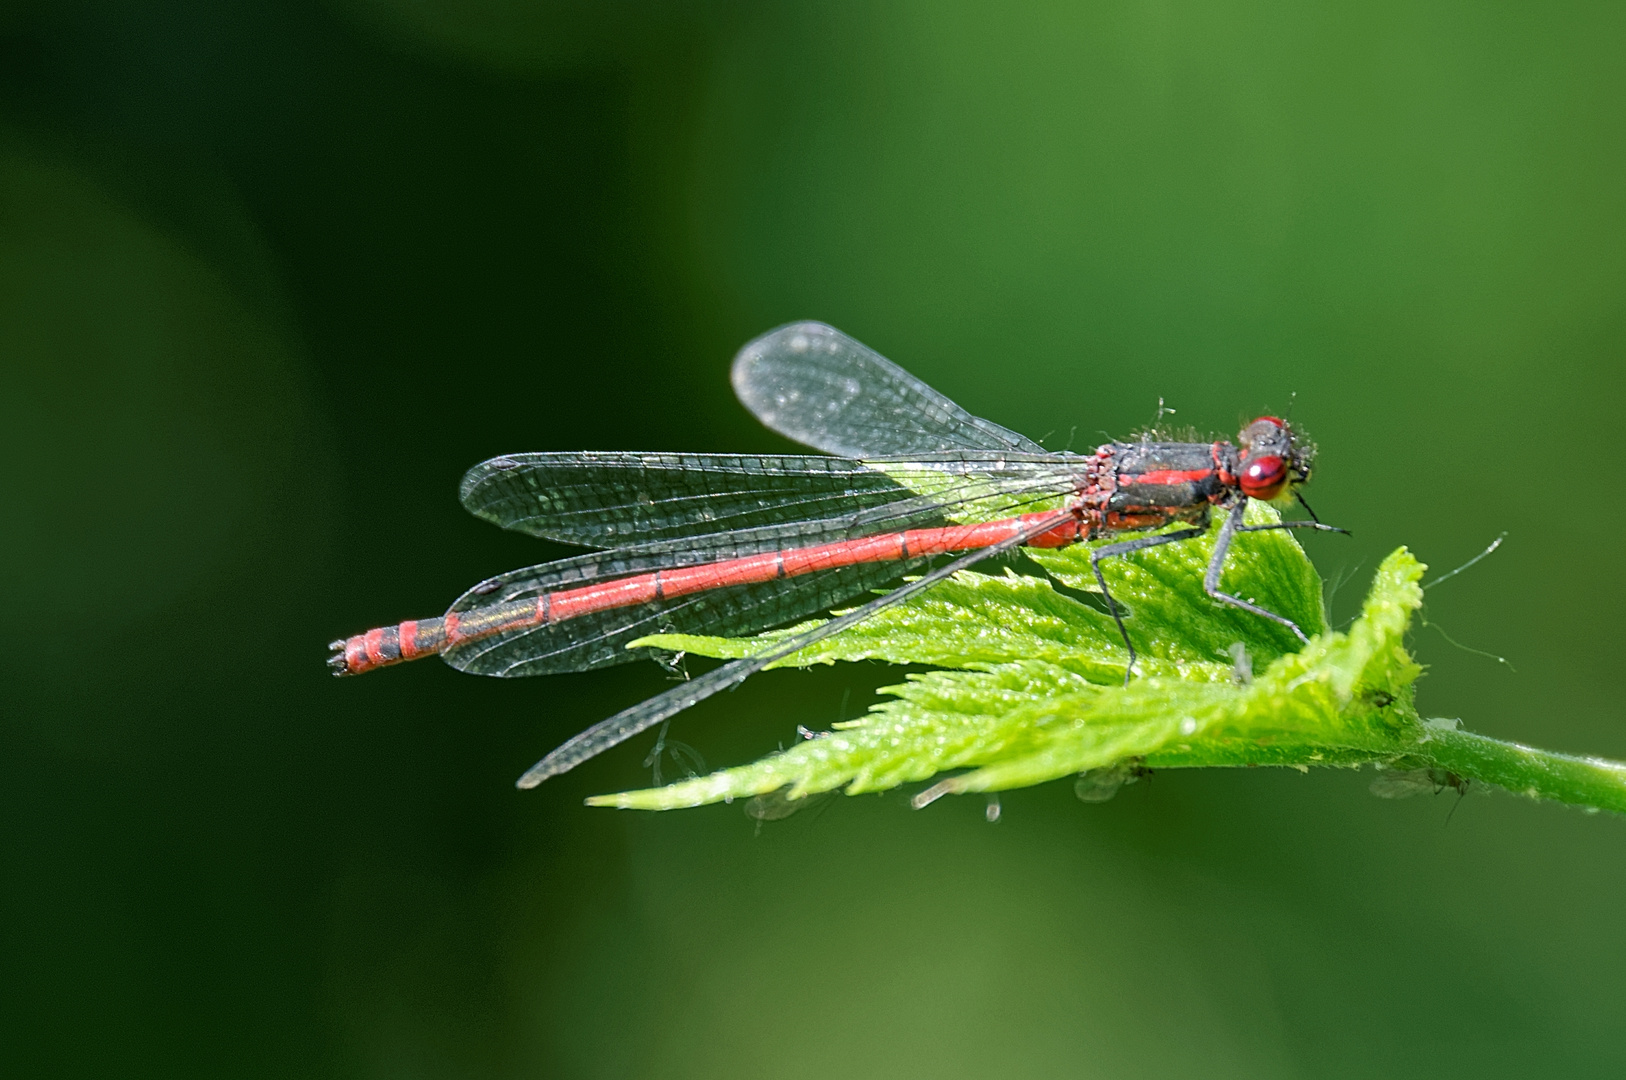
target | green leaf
[{"x": 1031, "y": 687}]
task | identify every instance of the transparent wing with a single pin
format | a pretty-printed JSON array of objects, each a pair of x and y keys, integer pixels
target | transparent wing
[
  {"x": 599, "y": 639},
  {"x": 812, "y": 383},
  {"x": 612, "y": 499},
  {"x": 616, "y": 499}
]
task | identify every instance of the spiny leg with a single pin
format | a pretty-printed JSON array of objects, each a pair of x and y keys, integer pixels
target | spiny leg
[
  {"x": 1222, "y": 547},
  {"x": 1294, "y": 525},
  {"x": 1124, "y": 547}
]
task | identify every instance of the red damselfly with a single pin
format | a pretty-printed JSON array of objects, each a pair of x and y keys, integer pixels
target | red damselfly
[{"x": 733, "y": 544}]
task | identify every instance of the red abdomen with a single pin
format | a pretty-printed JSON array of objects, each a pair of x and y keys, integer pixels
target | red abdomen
[{"x": 410, "y": 640}]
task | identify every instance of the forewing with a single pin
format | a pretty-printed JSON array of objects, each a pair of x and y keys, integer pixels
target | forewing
[
  {"x": 812, "y": 383},
  {"x": 617, "y": 499}
]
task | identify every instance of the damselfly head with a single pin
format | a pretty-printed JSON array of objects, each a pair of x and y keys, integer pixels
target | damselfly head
[{"x": 1274, "y": 459}]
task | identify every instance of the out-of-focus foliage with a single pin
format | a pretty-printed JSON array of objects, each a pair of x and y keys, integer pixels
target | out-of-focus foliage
[{"x": 538, "y": 36}]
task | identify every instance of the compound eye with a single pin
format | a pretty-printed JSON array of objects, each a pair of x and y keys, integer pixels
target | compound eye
[{"x": 1264, "y": 477}]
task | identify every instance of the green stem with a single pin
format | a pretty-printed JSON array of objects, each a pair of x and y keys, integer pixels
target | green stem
[{"x": 1524, "y": 770}]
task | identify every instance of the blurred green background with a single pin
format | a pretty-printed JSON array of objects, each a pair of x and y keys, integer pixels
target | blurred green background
[{"x": 273, "y": 275}]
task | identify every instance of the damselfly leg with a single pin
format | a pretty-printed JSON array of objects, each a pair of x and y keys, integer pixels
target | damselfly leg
[
  {"x": 1211, "y": 579},
  {"x": 1222, "y": 549},
  {"x": 1124, "y": 547}
]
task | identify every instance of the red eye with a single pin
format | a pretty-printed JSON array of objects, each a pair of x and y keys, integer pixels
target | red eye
[{"x": 1264, "y": 477}]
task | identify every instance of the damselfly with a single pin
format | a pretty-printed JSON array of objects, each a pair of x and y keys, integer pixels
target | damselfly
[{"x": 733, "y": 544}]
